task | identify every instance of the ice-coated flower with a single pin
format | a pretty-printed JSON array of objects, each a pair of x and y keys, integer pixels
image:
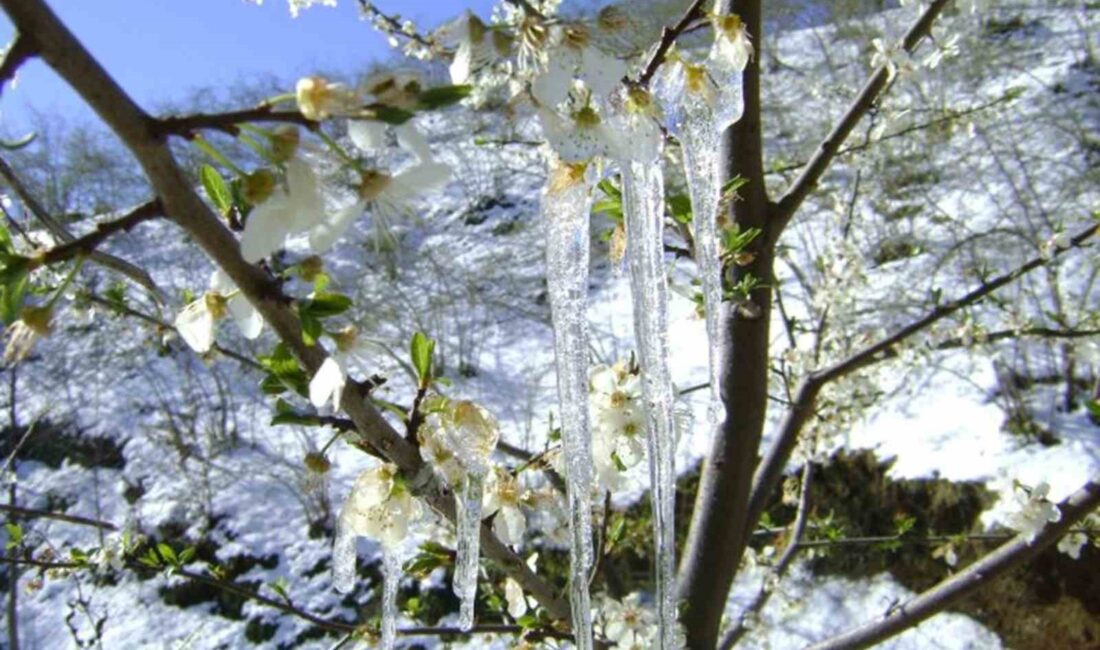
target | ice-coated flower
[
  {"x": 503, "y": 497},
  {"x": 943, "y": 51},
  {"x": 580, "y": 137},
  {"x": 636, "y": 127},
  {"x": 1057, "y": 242},
  {"x": 380, "y": 506},
  {"x": 892, "y": 56},
  {"x": 385, "y": 196},
  {"x": 319, "y": 99},
  {"x": 295, "y": 207},
  {"x": 34, "y": 323},
  {"x": 195, "y": 322},
  {"x": 572, "y": 56},
  {"x": 327, "y": 384},
  {"x": 1072, "y": 543},
  {"x": 732, "y": 45},
  {"x": 469, "y": 431},
  {"x": 1033, "y": 511},
  {"x": 618, "y": 422}
]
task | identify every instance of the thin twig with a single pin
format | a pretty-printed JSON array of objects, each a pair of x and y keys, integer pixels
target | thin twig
[
  {"x": 392, "y": 25},
  {"x": 668, "y": 37},
  {"x": 31, "y": 513},
  {"x": 228, "y": 122},
  {"x": 88, "y": 243}
]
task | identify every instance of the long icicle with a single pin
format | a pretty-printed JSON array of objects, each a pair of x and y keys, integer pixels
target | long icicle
[
  {"x": 468, "y": 531},
  {"x": 391, "y": 577},
  {"x": 643, "y": 206},
  {"x": 565, "y": 211},
  {"x": 701, "y": 144}
]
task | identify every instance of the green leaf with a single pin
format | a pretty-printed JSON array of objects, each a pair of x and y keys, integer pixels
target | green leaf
[
  {"x": 15, "y": 145},
  {"x": 216, "y": 189},
  {"x": 15, "y": 279},
  {"x": 679, "y": 206},
  {"x": 311, "y": 328},
  {"x": 387, "y": 114},
  {"x": 441, "y": 96},
  {"x": 168, "y": 554},
  {"x": 325, "y": 305},
  {"x": 15, "y": 535},
  {"x": 284, "y": 373},
  {"x": 280, "y": 587},
  {"x": 187, "y": 554},
  {"x": 285, "y": 414},
  {"x": 421, "y": 349},
  {"x": 150, "y": 559}
]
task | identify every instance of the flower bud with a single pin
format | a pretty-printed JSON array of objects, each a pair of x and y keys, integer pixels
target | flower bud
[
  {"x": 284, "y": 142},
  {"x": 317, "y": 463},
  {"x": 311, "y": 267},
  {"x": 258, "y": 186},
  {"x": 372, "y": 183}
]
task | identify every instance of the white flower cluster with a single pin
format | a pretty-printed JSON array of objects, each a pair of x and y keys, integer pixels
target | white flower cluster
[
  {"x": 618, "y": 422},
  {"x": 630, "y": 625},
  {"x": 1032, "y": 510}
]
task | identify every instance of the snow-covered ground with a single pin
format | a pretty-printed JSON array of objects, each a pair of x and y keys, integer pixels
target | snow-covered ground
[{"x": 469, "y": 272}]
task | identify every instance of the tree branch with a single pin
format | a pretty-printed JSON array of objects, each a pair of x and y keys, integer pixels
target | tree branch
[
  {"x": 68, "y": 57},
  {"x": 87, "y": 244},
  {"x": 18, "y": 53},
  {"x": 770, "y": 471},
  {"x": 827, "y": 151},
  {"x": 59, "y": 231},
  {"x": 1004, "y": 559},
  {"x": 31, "y": 513},
  {"x": 668, "y": 37},
  {"x": 228, "y": 122}
]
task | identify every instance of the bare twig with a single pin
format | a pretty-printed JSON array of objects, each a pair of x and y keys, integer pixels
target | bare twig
[
  {"x": 59, "y": 516},
  {"x": 827, "y": 150},
  {"x": 392, "y": 26},
  {"x": 228, "y": 122},
  {"x": 87, "y": 244},
  {"x": 770, "y": 470},
  {"x": 1007, "y": 557},
  {"x": 62, "y": 233},
  {"x": 668, "y": 37}
]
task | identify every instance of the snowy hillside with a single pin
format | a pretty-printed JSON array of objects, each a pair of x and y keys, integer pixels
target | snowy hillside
[{"x": 967, "y": 169}]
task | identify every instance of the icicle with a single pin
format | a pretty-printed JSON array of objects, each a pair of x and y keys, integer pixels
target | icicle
[
  {"x": 391, "y": 578},
  {"x": 468, "y": 531},
  {"x": 343, "y": 554},
  {"x": 566, "y": 211},
  {"x": 643, "y": 207},
  {"x": 701, "y": 144}
]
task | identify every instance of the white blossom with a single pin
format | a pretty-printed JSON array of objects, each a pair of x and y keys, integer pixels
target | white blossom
[
  {"x": 1072, "y": 543},
  {"x": 34, "y": 323},
  {"x": 318, "y": 99},
  {"x": 1033, "y": 511},
  {"x": 296, "y": 207},
  {"x": 732, "y": 44},
  {"x": 503, "y": 497},
  {"x": 380, "y": 507},
  {"x": 327, "y": 384},
  {"x": 195, "y": 322},
  {"x": 572, "y": 56},
  {"x": 618, "y": 425}
]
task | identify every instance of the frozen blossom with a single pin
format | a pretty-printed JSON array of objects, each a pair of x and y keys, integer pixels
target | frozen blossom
[
  {"x": 504, "y": 497},
  {"x": 618, "y": 422},
  {"x": 379, "y": 507},
  {"x": 573, "y": 56},
  {"x": 1072, "y": 544},
  {"x": 351, "y": 350}
]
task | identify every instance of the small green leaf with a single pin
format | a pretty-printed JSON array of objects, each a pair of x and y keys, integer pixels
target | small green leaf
[
  {"x": 421, "y": 349},
  {"x": 168, "y": 554},
  {"x": 216, "y": 189},
  {"x": 387, "y": 114},
  {"x": 15, "y": 145},
  {"x": 325, "y": 305},
  {"x": 679, "y": 206},
  {"x": 311, "y": 328},
  {"x": 442, "y": 96},
  {"x": 15, "y": 535},
  {"x": 280, "y": 587},
  {"x": 150, "y": 559},
  {"x": 187, "y": 554},
  {"x": 285, "y": 414},
  {"x": 15, "y": 279}
]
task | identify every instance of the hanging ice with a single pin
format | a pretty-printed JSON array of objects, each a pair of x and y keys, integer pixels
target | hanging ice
[
  {"x": 705, "y": 101},
  {"x": 565, "y": 210},
  {"x": 468, "y": 533},
  {"x": 471, "y": 434},
  {"x": 391, "y": 577},
  {"x": 643, "y": 209}
]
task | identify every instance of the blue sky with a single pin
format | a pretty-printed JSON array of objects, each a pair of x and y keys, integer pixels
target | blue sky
[{"x": 159, "y": 50}]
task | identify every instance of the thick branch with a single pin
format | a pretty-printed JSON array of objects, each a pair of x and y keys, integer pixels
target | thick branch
[
  {"x": 1006, "y": 558},
  {"x": 830, "y": 146},
  {"x": 68, "y": 57},
  {"x": 58, "y": 230},
  {"x": 770, "y": 472},
  {"x": 228, "y": 122},
  {"x": 87, "y": 244}
]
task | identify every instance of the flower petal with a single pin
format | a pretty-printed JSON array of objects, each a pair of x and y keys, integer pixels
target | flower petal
[
  {"x": 266, "y": 228},
  {"x": 305, "y": 201},
  {"x": 367, "y": 135},
  {"x": 248, "y": 320},
  {"x": 327, "y": 384},
  {"x": 195, "y": 325},
  {"x": 325, "y": 234}
]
